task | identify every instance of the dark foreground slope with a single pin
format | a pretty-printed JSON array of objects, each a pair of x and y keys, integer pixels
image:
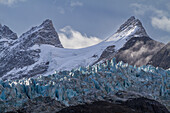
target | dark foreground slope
[{"x": 137, "y": 105}]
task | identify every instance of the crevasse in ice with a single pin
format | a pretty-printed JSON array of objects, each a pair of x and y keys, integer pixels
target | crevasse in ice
[{"x": 90, "y": 83}]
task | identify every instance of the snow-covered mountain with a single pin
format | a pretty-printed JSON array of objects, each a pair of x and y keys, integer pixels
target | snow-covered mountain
[
  {"x": 20, "y": 59},
  {"x": 40, "y": 52},
  {"x": 136, "y": 47}
]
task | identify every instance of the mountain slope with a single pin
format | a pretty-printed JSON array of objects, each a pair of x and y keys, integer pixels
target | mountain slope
[{"x": 161, "y": 58}]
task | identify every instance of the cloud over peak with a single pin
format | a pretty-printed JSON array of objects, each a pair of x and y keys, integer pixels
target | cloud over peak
[
  {"x": 161, "y": 23},
  {"x": 141, "y": 9},
  {"x": 71, "y": 38},
  {"x": 159, "y": 18}
]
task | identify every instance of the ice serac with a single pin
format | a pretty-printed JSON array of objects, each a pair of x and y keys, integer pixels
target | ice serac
[
  {"x": 136, "y": 47},
  {"x": 161, "y": 58},
  {"x": 22, "y": 59}
]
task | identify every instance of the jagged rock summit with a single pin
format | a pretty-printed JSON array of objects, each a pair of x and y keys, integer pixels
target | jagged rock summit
[
  {"x": 7, "y": 39},
  {"x": 131, "y": 28},
  {"x": 132, "y": 22},
  {"x": 6, "y": 33},
  {"x": 43, "y": 34}
]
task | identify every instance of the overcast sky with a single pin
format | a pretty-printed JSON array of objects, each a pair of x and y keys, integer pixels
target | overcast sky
[{"x": 87, "y": 20}]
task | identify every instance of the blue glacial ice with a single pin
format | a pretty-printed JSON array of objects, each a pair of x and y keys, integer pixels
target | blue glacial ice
[{"x": 89, "y": 83}]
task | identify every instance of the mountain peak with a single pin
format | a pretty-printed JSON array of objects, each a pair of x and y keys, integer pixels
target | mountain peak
[
  {"x": 42, "y": 34},
  {"x": 131, "y": 28},
  {"x": 47, "y": 23},
  {"x": 6, "y": 32},
  {"x": 131, "y": 23}
]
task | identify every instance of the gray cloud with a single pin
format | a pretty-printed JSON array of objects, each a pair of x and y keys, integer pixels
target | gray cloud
[
  {"x": 140, "y": 9},
  {"x": 61, "y": 10},
  {"x": 168, "y": 6},
  {"x": 161, "y": 23},
  {"x": 159, "y": 18}
]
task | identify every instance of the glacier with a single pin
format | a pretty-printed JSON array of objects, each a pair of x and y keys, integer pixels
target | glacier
[{"x": 87, "y": 84}]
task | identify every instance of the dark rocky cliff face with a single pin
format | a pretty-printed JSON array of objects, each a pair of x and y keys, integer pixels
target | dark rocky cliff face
[
  {"x": 138, "y": 51},
  {"x": 161, "y": 58}
]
